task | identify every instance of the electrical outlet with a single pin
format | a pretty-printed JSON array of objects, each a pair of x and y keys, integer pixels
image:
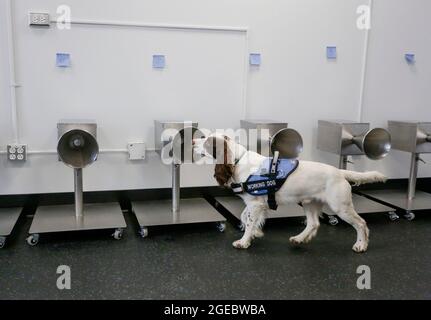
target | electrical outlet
[
  {"x": 38, "y": 19},
  {"x": 17, "y": 152},
  {"x": 136, "y": 150}
]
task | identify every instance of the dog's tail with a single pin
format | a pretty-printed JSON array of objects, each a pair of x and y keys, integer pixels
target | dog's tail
[{"x": 359, "y": 178}]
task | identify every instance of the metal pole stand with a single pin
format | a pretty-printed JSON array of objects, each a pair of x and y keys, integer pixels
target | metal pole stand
[
  {"x": 66, "y": 218},
  {"x": 79, "y": 200},
  {"x": 77, "y": 148},
  {"x": 414, "y": 164},
  {"x": 174, "y": 210},
  {"x": 413, "y": 200},
  {"x": 176, "y": 180},
  {"x": 414, "y": 138},
  {"x": 343, "y": 162},
  {"x": 411, "y": 192}
]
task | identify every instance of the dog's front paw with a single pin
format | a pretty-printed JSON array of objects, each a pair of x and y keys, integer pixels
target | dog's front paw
[
  {"x": 296, "y": 240},
  {"x": 240, "y": 244},
  {"x": 360, "y": 247}
]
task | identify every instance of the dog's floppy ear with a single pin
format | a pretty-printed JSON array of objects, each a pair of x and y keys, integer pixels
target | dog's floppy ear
[
  {"x": 217, "y": 146},
  {"x": 223, "y": 173}
]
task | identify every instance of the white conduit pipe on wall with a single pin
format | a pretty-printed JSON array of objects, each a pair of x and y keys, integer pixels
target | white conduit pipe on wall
[
  {"x": 101, "y": 151},
  {"x": 113, "y": 23},
  {"x": 55, "y": 151},
  {"x": 118, "y": 24},
  {"x": 364, "y": 65},
  {"x": 12, "y": 75}
]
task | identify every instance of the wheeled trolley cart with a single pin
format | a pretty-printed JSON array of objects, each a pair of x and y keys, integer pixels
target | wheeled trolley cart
[
  {"x": 174, "y": 144},
  {"x": 349, "y": 138},
  {"x": 8, "y": 219},
  {"x": 413, "y": 137},
  {"x": 77, "y": 147}
]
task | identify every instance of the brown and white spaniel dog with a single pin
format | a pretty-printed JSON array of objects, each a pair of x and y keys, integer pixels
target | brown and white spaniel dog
[{"x": 312, "y": 185}]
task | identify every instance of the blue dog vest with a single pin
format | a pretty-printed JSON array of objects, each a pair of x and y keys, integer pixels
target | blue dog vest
[{"x": 268, "y": 179}]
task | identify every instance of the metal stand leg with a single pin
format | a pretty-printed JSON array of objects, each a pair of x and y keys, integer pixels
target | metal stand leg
[
  {"x": 79, "y": 202},
  {"x": 176, "y": 176},
  {"x": 343, "y": 163},
  {"x": 413, "y": 175},
  {"x": 176, "y": 185},
  {"x": 414, "y": 164}
]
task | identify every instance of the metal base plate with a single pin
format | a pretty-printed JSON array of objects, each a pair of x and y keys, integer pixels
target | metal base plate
[
  {"x": 398, "y": 198},
  {"x": 62, "y": 218},
  {"x": 8, "y": 219},
  {"x": 159, "y": 212},
  {"x": 235, "y": 206},
  {"x": 363, "y": 205}
]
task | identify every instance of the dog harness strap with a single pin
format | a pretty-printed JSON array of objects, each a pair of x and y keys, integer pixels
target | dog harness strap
[
  {"x": 268, "y": 179},
  {"x": 274, "y": 163},
  {"x": 237, "y": 188},
  {"x": 272, "y": 203}
]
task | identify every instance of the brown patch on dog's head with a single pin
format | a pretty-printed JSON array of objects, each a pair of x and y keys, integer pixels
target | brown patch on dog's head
[{"x": 218, "y": 147}]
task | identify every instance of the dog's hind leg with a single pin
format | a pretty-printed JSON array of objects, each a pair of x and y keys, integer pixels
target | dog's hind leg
[
  {"x": 349, "y": 215},
  {"x": 312, "y": 211},
  {"x": 253, "y": 218},
  {"x": 341, "y": 204}
]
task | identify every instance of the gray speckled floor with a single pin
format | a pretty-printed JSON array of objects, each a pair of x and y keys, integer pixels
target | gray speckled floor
[{"x": 199, "y": 263}]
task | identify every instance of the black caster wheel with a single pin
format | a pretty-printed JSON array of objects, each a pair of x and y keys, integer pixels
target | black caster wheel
[
  {"x": 393, "y": 216},
  {"x": 333, "y": 220},
  {"x": 118, "y": 234},
  {"x": 2, "y": 242},
  {"x": 143, "y": 232},
  {"x": 221, "y": 226},
  {"x": 33, "y": 239},
  {"x": 409, "y": 216}
]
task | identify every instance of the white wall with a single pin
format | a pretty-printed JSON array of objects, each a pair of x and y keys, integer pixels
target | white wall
[{"x": 112, "y": 81}]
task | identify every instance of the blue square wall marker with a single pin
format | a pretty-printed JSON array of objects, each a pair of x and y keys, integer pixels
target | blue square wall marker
[
  {"x": 255, "y": 59},
  {"x": 63, "y": 60},
  {"x": 410, "y": 58},
  {"x": 331, "y": 52},
  {"x": 159, "y": 61}
]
